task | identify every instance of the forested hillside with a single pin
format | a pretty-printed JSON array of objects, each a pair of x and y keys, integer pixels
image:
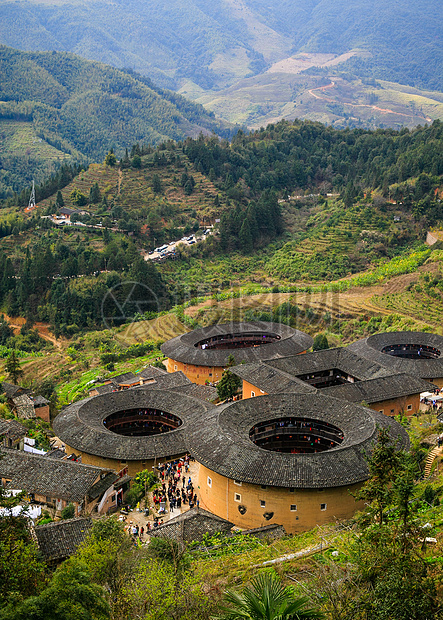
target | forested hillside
[
  {"x": 296, "y": 202},
  {"x": 58, "y": 107}
]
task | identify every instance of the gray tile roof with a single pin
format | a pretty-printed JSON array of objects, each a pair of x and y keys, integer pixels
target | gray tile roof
[
  {"x": 24, "y": 405},
  {"x": 49, "y": 477},
  {"x": 169, "y": 380},
  {"x": 12, "y": 429},
  {"x": 68, "y": 211},
  {"x": 205, "y": 392},
  {"x": 105, "y": 389},
  {"x": 56, "y": 453},
  {"x": 341, "y": 358},
  {"x": 370, "y": 348},
  {"x": 11, "y": 390},
  {"x": 159, "y": 378},
  {"x": 224, "y": 445},
  {"x": 376, "y": 382},
  {"x": 61, "y": 539},
  {"x": 151, "y": 372},
  {"x": 102, "y": 485},
  {"x": 81, "y": 424},
  {"x": 123, "y": 378},
  {"x": 379, "y": 389},
  {"x": 183, "y": 348},
  {"x": 272, "y": 380},
  {"x": 192, "y": 525}
]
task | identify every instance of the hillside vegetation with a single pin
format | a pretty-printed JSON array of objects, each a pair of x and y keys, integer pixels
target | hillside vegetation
[
  {"x": 257, "y": 61},
  {"x": 57, "y": 107},
  {"x": 328, "y": 94},
  {"x": 300, "y": 205}
]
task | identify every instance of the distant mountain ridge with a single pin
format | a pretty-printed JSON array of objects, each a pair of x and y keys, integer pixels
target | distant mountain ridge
[{"x": 213, "y": 44}]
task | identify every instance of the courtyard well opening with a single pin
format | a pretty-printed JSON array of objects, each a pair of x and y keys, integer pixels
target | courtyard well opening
[
  {"x": 141, "y": 422},
  {"x": 296, "y": 435}
]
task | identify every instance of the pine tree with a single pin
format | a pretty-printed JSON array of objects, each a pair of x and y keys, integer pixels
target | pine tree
[
  {"x": 12, "y": 367},
  {"x": 229, "y": 384},
  {"x": 94, "y": 194},
  {"x": 156, "y": 184},
  {"x": 110, "y": 159},
  {"x": 59, "y": 199}
]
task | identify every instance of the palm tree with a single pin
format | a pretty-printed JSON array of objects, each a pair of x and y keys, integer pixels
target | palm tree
[{"x": 266, "y": 599}]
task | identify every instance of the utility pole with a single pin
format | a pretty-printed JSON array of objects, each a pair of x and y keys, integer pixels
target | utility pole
[{"x": 31, "y": 203}]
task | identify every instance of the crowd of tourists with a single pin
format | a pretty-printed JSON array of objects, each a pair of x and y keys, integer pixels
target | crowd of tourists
[{"x": 174, "y": 493}]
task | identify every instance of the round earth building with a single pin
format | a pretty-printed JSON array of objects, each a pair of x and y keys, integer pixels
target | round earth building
[
  {"x": 419, "y": 354},
  {"x": 292, "y": 460},
  {"x": 203, "y": 353},
  {"x": 131, "y": 430}
]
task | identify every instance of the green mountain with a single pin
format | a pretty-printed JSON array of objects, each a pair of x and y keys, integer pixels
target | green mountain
[
  {"x": 214, "y": 43},
  {"x": 56, "y": 107}
]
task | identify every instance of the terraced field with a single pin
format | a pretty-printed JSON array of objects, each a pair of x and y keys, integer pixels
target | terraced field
[
  {"x": 106, "y": 177},
  {"x": 421, "y": 308},
  {"x": 340, "y": 237},
  {"x": 337, "y": 242},
  {"x": 163, "y": 328},
  {"x": 19, "y": 138},
  {"x": 132, "y": 188}
]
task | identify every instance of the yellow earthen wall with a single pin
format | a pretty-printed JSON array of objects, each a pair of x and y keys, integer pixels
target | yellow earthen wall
[
  {"x": 396, "y": 406},
  {"x": 197, "y": 374},
  {"x": 249, "y": 390},
  {"x": 438, "y": 382},
  {"x": 220, "y": 499}
]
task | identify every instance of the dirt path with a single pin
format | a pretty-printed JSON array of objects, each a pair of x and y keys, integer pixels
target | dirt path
[
  {"x": 17, "y": 323},
  {"x": 363, "y": 105},
  {"x": 322, "y": 88},
  {"x": 400, "y": 283}
]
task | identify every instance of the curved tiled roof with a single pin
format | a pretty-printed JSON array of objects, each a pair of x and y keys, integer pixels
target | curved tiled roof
[
  {"x": 272, "y": 380},
  {"x": 225, "y": 447},
  {"x": 379, "y": 389},
  {"x": 58, "y": 478},
  {"x": 371, "y": 349},
  {"x": 183, "y": 348},
  {"x": 81, "y": 424}
]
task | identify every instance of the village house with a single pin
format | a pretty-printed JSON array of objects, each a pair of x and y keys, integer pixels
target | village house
[
  {"x": 59, "y": 540},
  {"x": 12, "y": 434},
  {"x": 24, "y": 404},
  {"x": 55, "y": 483},
  {"x": 148, "y": 376}
]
